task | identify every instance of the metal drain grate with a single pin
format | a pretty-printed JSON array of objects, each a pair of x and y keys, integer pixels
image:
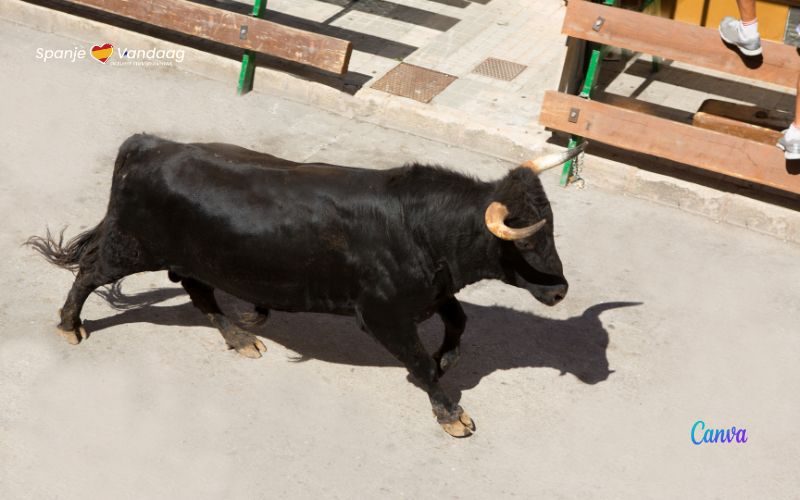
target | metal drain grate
[
  {"x": 499, "y": 69},
  {"x": 414, "y": 82}
]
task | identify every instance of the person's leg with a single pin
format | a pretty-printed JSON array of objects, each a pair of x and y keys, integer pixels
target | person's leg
[
  {"x": 748, "y": 20},
  {"x": 797, "y": 105},
  {"x": 747, "y": 10},
  {"x": 742, "y": 34},
  {"x": 790, "y": 142}
]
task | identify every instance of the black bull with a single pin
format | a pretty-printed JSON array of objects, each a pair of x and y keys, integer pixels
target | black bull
[{"x": 389, "y": 247}]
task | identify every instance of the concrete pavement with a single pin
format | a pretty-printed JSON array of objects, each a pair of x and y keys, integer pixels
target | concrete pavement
[{"x": 697, "y": 320}]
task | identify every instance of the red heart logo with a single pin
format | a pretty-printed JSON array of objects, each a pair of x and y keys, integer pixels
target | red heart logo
[{"x": 102, "y": 52}]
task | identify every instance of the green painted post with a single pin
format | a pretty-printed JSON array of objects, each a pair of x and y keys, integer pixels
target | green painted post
[
  {"x": 586, "y": 92},
  {"x": 567, "y": 170},
  {"x": 591, "y": 73},
  {"x": 593, "y": 69},
  {"x": 249, "y": 57}
]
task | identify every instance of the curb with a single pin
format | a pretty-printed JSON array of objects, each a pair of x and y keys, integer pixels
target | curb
[{"x": 446, "y": 125}]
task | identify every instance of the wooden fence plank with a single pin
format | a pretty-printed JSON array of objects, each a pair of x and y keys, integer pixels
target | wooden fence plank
[
  {"x": 320, "y": 51},
  {"x": 678, "y": 41},
  {"x": 735, "y": 127},
  {"x": 755, "y": 115},
  {"x": 725, "y": 154},
  {"x": 751, "y": 122}
]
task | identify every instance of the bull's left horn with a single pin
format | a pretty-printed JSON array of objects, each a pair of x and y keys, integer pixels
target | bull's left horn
[
  {"x": 495, "y": 217},
  {"x": 545, "y": 162}
]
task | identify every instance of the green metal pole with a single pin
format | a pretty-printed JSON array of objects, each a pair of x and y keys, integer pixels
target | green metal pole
[
  {"x": 592, "y": 70},
  {"x": 586, "y": 92},
  {"x": 591, "y": 73},
  {"x": 249, "y": 57}
]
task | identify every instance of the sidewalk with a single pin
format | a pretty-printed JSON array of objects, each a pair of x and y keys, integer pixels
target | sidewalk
[
  {"x": 493, "y": 113},
  {"x": 452, "y": 37}
]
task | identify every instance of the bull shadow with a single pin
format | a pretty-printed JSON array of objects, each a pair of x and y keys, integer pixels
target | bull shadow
[{"x": 496, "y": 338}]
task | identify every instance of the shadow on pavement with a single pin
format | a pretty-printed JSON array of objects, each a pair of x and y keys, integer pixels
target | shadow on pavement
[{"x": 496, "y": 338}]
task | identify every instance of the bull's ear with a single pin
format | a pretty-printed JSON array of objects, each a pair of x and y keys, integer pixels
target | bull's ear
[
  {"x": 495, "y": 219},
  {"x": 546, "y": 162}
]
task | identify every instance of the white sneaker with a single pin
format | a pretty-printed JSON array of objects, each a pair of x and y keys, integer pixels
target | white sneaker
[
  {"x": 790, "y": 147},
  {"x": 730, "y": 33}
]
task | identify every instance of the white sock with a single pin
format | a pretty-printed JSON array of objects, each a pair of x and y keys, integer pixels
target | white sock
[
  {"x": 749, "y": 31},
  {"x": 792, "y": 133}
]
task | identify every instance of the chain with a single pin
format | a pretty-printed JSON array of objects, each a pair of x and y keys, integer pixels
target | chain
[{"x": 577, "y": 168}]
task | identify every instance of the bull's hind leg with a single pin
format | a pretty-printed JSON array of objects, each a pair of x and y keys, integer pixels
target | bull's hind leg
[
  {"x": 70, "y": 326},
  {"x": 202, "y": 297},
  {"x": 400, "y": 338},
  {"x": 101, "y": 255},
  {"x": 257, "y": 317},
  {"x": 91, "y": 276},
  {"x": 454, "y": 322}
]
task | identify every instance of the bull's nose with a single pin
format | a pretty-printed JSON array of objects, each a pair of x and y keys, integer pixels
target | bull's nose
[
  {"x": 557, "y": 294},
  {"x": 549, "y": 295}
]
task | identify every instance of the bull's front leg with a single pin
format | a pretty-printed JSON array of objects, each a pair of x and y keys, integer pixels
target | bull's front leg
[
  {"x": 399, "y": 337},
  {"x": 454, "y": 321}
]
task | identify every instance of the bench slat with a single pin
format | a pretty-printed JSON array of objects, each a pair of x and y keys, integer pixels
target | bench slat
[
  {"x": 736, "y": 127},
  {"x": 774, "y": 119},
  {"x": 320, "y": 51},
  {"x": 725, "y": 154},
  {"x": 677, "y": 41}
]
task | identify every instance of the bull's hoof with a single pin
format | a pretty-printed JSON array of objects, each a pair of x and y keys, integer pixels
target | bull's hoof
[
  {"x": 246, "y": 344},
  {"x": 73, "y": 337},
  {"x": 463, "y": 426}
]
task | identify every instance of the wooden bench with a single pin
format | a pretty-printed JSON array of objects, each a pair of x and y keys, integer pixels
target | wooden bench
[
  {"x": 744, "y": 157},
  {"x": 247, "y": 32}
]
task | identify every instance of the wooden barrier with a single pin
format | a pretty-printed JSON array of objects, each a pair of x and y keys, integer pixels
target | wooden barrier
[
  {"x": 229, "y": 28},
  {"x": 678, "y": 41},
  {"x": 722, "y": 153},
  {"x": 744, "y": 152}
]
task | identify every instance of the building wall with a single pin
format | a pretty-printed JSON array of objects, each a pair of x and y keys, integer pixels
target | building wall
[{"x": 772, "y": 15}]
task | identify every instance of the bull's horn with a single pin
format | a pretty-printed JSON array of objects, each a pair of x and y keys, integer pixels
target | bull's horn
[
  {"x": 545, "y": 162},
  {"x": 495, "y": 218}
]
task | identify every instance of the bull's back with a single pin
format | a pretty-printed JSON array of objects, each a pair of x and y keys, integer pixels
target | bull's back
[{"x": 267, "y": 230}]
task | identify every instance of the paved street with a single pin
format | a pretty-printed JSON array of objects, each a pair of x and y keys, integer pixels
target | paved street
[{"x": 697, "y": 320}]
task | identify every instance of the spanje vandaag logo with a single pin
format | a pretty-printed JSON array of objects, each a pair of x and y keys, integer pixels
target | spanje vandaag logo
[
  {"x": 106, "y": 53},
  {"x": 102, "y": 52},
  {"x": 701, "y": 434}
]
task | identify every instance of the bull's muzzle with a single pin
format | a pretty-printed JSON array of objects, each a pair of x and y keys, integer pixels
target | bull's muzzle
[
  {"x": 549, "y": 295},
  {"x": 553, "y": 294}
]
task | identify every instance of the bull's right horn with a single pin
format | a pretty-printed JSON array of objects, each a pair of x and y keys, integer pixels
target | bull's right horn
[
  {"x": 495, "y": 218},
  {"x": 545, "y": 162}
]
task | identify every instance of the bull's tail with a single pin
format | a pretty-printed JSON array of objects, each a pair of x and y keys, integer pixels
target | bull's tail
[
  {"x": 83, "y": 247},
  {"x": 70, "y": 254}
]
